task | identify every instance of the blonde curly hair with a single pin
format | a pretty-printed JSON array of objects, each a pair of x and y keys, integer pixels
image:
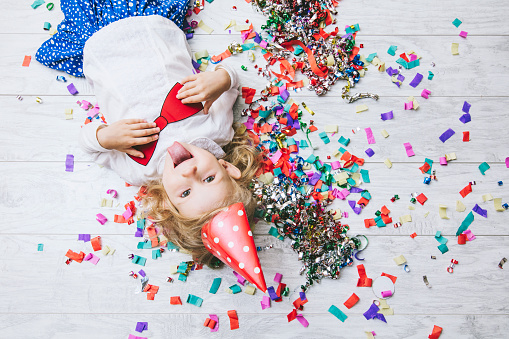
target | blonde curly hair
[{"x": 185, "y": 232}]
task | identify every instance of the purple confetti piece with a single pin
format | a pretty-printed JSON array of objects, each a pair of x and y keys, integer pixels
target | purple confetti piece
[
  {"x": 272, "y": 293},
  {"x": 446, "y": 135},
  {"x": 370, "y": 152},
  {"x": 69, "y": 163},
  {"x": 401, "y": 77},
  {"x": 466, "y": 107},
  {"x": 356, "y": 190},
  {"x": 465, "y": 118},
  {"x": 72, "y": 89},
  {"x": 357, "y": 210},
  {"x": 417, "y": 80},
  {"x": 189, "y": 36},
  {"x": 371, "y": 312},
  {"x": 314, "y": 179},
  {"x": 142, "y": 273},
  {"x": 284, "y": 95},
  {"x": 138, "y": 233},
  {"x": 84, "y": 237},
  {"x": 257, "y": 38},
  {"x": 141, "y": 326},
  {"x": 387, "y": 116},
  {"x": 302, "y": 296},
  {"x": 477, "y": 209},
  {"x": 196, "y": 65}
]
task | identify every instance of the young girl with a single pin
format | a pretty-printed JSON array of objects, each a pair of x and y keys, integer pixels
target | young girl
[{"x": 134, "y": 55}]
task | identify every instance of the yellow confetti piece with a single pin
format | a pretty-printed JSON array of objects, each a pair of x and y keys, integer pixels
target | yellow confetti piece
[
  {"x": 203, "y": 66},
  {"x": 383, "y": 304},
  {"x": 414, "y": 102},
  {"x": 369, "y": 335},
  {"x": 173, "y": 269},
  {"x": 52, "y": 31},
  {"x": 498, "y": 204},
  {"x": 388, "y": 163},
  {"x": 228, "y": 290},
  {"x": 405, "y": 218},
  {"x": 450, "y": 156},
  {"x": 487, "y": 197},
  {"x": 362, "y": 72},
  {"x": 381, "y": 67},
  {"x": 330, "y": 60},
  {"x": 454, "y": 48},
  {"x": 250, "y": 290},
  {"x": 411, "y": 207},
  {"x": 361, "y": 108},
  {"x": 244, "y": 27},
  {"x": 426, "y": 214},
  {"x": 206, "y": 28},
  {"x": 357, "y": 178},
  {"x": 306, "y": 166},
  {"x": 266, "y": 178},
  {"x": 400, "y": 260},
  {"x": 201, "y": 54},
  {"x": 459, "y": 206},
  {"x": 386, "y": 311},
  {"x": 375, "y": 61},
  {"x": 230, "y": 24},
  {"x": 68, "y": 114},
  {"x": 331, "y": 129},
  {"x": 442, "y": 211},
  {"x": 106, "y": 202},
  {"x": 338, "y": 215},
  {"x": 307, "y": 108},
  {"x": 107, "y": 250},
  {"x": 384, "y": 133}
]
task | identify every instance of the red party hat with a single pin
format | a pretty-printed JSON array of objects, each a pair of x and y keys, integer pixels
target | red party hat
[{"x": 228, "y": 236}]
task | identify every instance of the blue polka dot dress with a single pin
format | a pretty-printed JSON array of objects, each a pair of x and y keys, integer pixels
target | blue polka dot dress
[{"x": 64, "y": 51}]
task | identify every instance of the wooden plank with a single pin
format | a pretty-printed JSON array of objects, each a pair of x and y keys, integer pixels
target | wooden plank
[
  {"x": 452, "y": 72},
  {"x": 404, "y": 18},
  {"x": 77, "y": 325},
  {"x": 74, "y": 199},
  {"x": 48, "y": 136},
  {"x": 85, "y": 288}
]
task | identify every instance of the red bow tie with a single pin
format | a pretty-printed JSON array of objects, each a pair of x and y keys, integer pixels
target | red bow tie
[{"x": 173, "y": 110}]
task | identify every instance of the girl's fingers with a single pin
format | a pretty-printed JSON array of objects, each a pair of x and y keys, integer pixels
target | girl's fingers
[
  {"x": 207, "y": 106},
  {"x": 188, "y": 78},
  {"x": 146, "y": 131},
  {"x": 134, "y": 153},
  {"x": 145, "y": 140},
  {"x": 134, "y": 121},
  {"x": 187, "y": 91}
]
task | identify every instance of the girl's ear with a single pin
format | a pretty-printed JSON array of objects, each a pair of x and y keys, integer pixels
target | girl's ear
[{"x": 232, "y": 170}]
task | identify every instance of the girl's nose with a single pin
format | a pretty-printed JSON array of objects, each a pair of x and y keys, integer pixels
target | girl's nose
[{"x": 189, "y": 171}]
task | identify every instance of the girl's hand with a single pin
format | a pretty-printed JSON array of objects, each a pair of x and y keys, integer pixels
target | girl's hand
[
  {"x": 124, "y": 134},
  {"x": 204, "y": 87}
]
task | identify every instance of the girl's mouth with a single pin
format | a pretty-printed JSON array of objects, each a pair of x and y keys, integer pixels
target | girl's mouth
[{"x": 178, "y": 154}]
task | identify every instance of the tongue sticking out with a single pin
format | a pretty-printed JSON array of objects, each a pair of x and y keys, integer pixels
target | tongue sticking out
[{"x": 178, "y": 154}]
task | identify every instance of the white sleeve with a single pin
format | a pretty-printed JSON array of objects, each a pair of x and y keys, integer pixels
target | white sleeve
[
  {"x": 88, "y": 138},
  {"x": 234, "y": 78}
]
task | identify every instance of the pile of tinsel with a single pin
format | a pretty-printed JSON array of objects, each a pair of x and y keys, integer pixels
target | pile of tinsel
[
  {"x": 320, "y": 241},
  {"x": 300, "y": 22}
]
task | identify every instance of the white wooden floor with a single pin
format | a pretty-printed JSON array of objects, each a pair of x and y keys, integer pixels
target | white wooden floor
[{"x": 41, "y": 203}]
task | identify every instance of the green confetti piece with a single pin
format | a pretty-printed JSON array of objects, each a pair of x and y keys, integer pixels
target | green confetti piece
[
  {"x": 430, "y": 163},
  {"x": 235, "y": 289},
  {"x": 273, "y": 232},
  {"x": 337, "y": 313},
  {"x": 371, "y": 57},
  {"x": 430, "y": 75},
  {"x": 457, "y": 22},
  {"x": 352, "y": 29},
  {"x": 215, "y": 285},
  {"x": 182, "y": 277},
  {"x": 392, "y": 50},
  {"x": 443, "y": 248},
  {"x": 196, "y": 301},
  {"x": 139, "y": 260},
  {"x": 171, "y": 246},
  {"x": 40, "y": 247},
  {"x": 465, "y": 223},
  {"x": 156, "y": 254},
  {"x": 365, "y": 176},
  {"x": 484, "y": 167}
]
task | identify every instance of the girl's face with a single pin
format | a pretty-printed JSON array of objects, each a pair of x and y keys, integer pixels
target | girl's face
[{"x": 195, "y": 181}]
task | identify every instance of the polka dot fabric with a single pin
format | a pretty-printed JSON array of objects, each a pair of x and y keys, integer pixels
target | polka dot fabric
[
  {"x": 228, "y": 236},
  {"x": 64, "y": 51}
]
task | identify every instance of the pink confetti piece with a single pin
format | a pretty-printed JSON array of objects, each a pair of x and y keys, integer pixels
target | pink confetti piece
[
  {"x": 101, "y": 218},
  {"x": 443, "y": 161},
  {"x": 216, "y": 319},
  {"x": 408, "y": 149},
  {"x": 409, "y": 105},
  {"x": 425, "y": 93},
  {"x": 278, "y": 278},
  {"x": 302, "y": 320},
  {"x": 507, "y": 162},
  {"x": 265, "y": 302},
  {"x": 369, "y": 135},
  {"x": 127, "y": 214},
  {"x": 91, "y": 257},
  {"x": 113, "y": 192},
  {"x": 463, "y": 34}
]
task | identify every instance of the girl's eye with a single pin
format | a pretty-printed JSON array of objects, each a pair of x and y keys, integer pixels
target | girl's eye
[
  {"x": 185, "y": 193},
  {"x": 210, "y": 179}
]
